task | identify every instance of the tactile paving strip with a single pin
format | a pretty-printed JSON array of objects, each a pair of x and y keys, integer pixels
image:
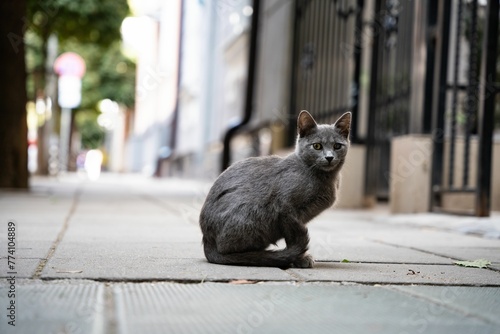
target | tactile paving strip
[
  {"x": 55, "y": 308},
  {"x": 282, "y": 308}
]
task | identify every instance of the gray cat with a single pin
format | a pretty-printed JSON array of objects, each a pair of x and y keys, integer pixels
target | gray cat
[{"x": 258, "y": 201}]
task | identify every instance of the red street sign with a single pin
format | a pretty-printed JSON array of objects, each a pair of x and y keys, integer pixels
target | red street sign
[{"x": 70, "y": 63}]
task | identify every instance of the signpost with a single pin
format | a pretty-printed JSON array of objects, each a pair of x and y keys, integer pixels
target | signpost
[{"x": 70, "y": 67}]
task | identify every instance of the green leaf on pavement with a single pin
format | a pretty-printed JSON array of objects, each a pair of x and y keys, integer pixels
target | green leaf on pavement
[
  {"x": 345, "y": 261},
  {"x": 480, "y": 263}
]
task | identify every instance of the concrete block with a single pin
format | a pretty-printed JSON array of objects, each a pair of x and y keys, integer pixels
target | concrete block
[
  {"x": 411, "y": 161},
  {"x": 352, "y": 185},
  {"x": 410, "y": 174}
]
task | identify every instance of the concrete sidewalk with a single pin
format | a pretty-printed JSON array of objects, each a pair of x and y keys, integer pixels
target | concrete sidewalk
[{"x": 124, "y": 255}]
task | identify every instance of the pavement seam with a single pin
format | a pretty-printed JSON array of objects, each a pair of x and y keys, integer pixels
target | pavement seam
[
  {"x": 60, "y": 236},
  {"x": 439, "y": 303},
  {"x": 112, "y": 281},
  {"x": 299, "y": 280}
]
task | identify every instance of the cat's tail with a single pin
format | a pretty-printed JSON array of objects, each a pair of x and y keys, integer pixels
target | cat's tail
[{"x": 280, "y": 258}]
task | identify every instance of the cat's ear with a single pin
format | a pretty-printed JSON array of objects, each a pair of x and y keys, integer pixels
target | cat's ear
[
  {"x": 305, "y": 123},
  {"x": 343, "y": 124}
]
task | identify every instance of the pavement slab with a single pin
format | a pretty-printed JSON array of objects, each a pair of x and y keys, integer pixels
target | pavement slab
[
  {"x": 328, "y": 247},
  {"x": 25, "y": 268},
  {"x": 153, "y": 268},
  {"x": 126, "y": 229},
  {"x": 136, "y": 250},
  {"x": 431, "y": 238},
  {"x": 491, "y": 254},
  {"x": 483, "y": 226}
]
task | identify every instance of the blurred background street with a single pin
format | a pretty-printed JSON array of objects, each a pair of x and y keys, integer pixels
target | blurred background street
[{"x": 184, "y": 88}]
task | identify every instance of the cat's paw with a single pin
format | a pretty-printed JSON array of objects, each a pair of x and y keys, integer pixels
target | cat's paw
[{"x": 306, "y": 261}]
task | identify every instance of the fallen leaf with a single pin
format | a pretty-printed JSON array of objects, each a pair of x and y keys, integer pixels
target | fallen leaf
[
  {"x": 345, "y": 261},
  {"x": 480, "y": 263}
]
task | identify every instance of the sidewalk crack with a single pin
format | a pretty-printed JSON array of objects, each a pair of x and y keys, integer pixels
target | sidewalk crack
[{"x": 60, "y": 236}]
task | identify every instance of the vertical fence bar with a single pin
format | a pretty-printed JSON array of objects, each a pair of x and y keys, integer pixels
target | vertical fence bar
[
  {"x": 358, "y": 46},
  {"x": 304, "y": 52},
  {"x": 472, "y": 88},
  {"x": 329, "y": 89},
  {"x": 454, "y": 105},
  {"x": 312, "y": 102},
  {"x": 487, "y": 108},
  {"x": 430, "y": 42},
  {"x": 338, "y": 54},
  {"x": 322, "y": 57},
  {"x": 439, "y": 104},
  {"x": 328, "y": 56},
  {"x": 292, "y": 122},
  {"x": 371, "y": 168}
]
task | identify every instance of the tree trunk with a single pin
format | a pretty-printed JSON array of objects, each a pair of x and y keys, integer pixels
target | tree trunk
[{"x": 13, "y": 127}]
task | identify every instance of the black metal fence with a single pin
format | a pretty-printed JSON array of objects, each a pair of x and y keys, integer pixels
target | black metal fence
[{"x": 326, "y": 60}]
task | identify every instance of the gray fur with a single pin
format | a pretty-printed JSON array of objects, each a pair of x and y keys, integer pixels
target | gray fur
[{"x": 258, "y": 201}]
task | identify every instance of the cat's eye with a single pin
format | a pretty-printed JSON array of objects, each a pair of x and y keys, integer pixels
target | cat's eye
[
  {"x": 337, "y": 146},
  {"x": 317, "y": 146}
]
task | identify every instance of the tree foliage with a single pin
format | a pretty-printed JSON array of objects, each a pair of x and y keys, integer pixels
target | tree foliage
[
  {"x": 91, "y": 28},
  {"x": 92, "y": 135},
  {"x": 94, "y": 21}
]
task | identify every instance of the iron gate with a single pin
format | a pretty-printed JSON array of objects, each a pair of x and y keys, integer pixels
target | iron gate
[
  {"x": 390, "y": 85},
  {"x": 464, "y": 109}
]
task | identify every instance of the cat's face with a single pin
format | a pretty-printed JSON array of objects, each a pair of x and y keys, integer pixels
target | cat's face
[{"x": 323, "y": 146}]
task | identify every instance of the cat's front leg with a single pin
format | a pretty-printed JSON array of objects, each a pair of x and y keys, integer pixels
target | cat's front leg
[
  {"x": 306, "y": 261},
  {"x": 296, "y": 234}
]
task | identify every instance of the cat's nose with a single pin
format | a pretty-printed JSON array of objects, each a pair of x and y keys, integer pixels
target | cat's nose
[{"x": 329, "y": 159}]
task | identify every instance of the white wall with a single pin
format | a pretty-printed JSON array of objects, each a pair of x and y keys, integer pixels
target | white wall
[
  {"x": 274, "y": 61},
  {"x": 154, "y": 36}
]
